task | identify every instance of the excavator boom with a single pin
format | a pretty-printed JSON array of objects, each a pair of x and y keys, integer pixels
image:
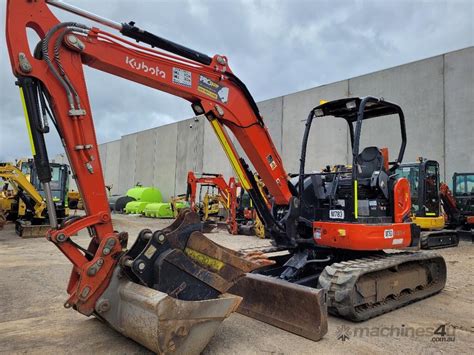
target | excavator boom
[{"x": 52, "y": 83}]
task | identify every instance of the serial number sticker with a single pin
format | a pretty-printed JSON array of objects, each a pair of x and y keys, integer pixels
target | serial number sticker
[
  {"x": 182, "y": 77},
  {"x": 336, "y": 214},
  {"x": 150, "y": 252},
  {"x": 317, "y": 233},
  {"x": 397, "y": 241},
  {"x": 388, "y": 233},
  {"x": 271, "y": 162}
]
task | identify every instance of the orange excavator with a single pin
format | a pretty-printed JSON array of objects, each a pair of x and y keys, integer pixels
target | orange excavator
[
  {"x": 226, "y": 192},
  {"x": 168, "y": 291},
  {"x": 459, "y": 204},
  {"x": 241, "y": 219}
]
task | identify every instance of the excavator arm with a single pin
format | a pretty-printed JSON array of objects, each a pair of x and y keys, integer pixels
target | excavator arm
[
  {"x": 52, "y": 86},
  {"x": 54, "y": 73}
]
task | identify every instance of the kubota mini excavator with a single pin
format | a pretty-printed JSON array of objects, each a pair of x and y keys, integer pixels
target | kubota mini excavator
[{"x": 333, "y": 227}]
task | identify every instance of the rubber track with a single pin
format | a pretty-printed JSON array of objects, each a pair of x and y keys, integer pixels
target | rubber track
[
  {"x": 339, "y": 279},
  {"x": 427, "y": 237}
]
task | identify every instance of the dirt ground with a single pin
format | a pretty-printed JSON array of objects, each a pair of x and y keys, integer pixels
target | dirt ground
[{"x": 34, "y": 274}]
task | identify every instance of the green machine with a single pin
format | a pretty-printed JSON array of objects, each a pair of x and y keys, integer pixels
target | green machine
[{"x": 143, "y": 196}]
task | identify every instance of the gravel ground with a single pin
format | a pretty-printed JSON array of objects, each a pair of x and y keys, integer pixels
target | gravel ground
[{"x": 33, "y": 280}]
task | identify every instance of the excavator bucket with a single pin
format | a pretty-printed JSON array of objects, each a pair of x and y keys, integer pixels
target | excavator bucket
[
  {"x": 169, "y": 292},
  {"x": 160, "y": 322},
  {"x": 297, "y": 309}
]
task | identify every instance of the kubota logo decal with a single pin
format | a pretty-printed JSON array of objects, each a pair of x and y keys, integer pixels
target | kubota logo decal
[{"x": 141, "y": 66}]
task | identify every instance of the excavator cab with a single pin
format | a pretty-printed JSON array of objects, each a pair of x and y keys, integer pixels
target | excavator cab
[
  {"x": 363, "y": 192},
  {"x": 423, "y": 177},
  {"x": 59, "y": 187},
  {"x": 426, "y": 212},
  {"x": 463, "y": 192}
]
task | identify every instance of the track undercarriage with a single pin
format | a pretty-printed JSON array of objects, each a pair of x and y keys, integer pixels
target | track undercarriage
[
  {"x": 360, "y": 289},
  {"x": 361, "y": 286}
]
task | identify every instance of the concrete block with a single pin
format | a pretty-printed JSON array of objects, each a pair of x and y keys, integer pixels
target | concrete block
[
  {"x": 103, "y": 155},
  {"x": 112, "y": 166},
  {"x": 189, "y": 151},
  {"x": 418, "y": 88},
  {"x": 164, "y": 163},
  {"x": 272, "y": 112},
  {"x": 146, "y": 151},
  {"x": 328, "y": 140},
  {"x": 214, "y": 158},
  {"x": 128, "y": 155},
  {"x": 459, "y": 111}
]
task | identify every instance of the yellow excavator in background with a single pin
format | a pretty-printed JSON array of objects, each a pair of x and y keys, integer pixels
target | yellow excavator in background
[
  {"x": 22, "y": 201},
  {"x": 427, "y": 209}
]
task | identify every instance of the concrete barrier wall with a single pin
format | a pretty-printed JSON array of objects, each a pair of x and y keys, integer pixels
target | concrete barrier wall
[
  {"x": 127, "y": 162},
  {"x": 418, "y": 89},
  {"x": 112, "y": 164},
  {"x": 327, "y": 143},
  {"x": 436, "y": 95},
  {"x": 165, "y": 159},
  {"x": 459, "y": 111}
]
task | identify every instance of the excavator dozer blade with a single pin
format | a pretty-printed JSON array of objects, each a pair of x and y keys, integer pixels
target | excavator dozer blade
[
  {"x": 297, "y": 309},
  {"x": 160, "y": 322},
  {"x": 25, "y": 229}
]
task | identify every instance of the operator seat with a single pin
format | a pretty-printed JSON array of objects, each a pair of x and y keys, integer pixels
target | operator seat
[
  {"x": 371, "y": 169},
  {"x": 369, "y": 161}
]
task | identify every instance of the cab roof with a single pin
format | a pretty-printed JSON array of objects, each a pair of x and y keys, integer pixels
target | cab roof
[{"x": 348, "y": 108}]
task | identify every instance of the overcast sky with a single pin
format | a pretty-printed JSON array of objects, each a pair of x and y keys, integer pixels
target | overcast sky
[{"x": 275, "y": 47}]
